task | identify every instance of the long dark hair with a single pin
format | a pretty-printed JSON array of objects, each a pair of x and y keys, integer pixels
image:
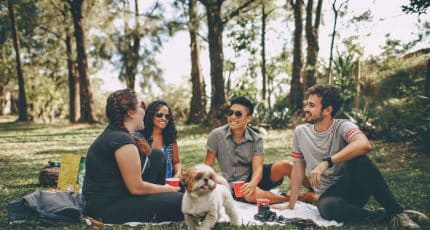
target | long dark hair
[
  {"x": 117, "y": 105},
  {"x": 169, "y": 132}
]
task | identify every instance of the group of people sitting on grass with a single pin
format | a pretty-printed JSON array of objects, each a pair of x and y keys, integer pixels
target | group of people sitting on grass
[{"x": 128, "y": 163}]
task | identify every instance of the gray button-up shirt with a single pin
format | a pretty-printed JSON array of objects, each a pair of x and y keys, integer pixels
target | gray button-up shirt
[{"x": 235, "y": 159}]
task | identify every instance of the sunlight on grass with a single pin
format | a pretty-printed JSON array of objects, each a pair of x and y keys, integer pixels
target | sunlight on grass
[{"x": 26, "y": 148}]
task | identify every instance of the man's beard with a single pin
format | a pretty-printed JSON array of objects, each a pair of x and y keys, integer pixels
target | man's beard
[{"x": 313, "y": 120}]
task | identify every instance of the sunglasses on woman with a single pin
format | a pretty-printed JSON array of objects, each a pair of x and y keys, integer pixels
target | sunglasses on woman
[
  {"x": 161, "y": 114},
  {"x": 236, "y": 113}
]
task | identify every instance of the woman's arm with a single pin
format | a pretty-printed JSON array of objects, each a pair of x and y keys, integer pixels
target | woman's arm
[
  {"x": 177, "y": 166},
  {"x": 127, "y": 158}
]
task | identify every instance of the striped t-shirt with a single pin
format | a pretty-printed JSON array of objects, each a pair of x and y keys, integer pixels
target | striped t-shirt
[{"x": 311, "y": 146}]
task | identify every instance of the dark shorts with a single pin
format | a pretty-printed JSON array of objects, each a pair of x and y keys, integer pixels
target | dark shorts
[{"x": 265, "y": 184}]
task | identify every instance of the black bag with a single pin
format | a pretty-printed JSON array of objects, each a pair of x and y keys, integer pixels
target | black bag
[{"x": 48, "y": 175}]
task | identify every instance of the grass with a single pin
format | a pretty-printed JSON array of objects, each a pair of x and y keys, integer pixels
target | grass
[{"x": 25, "y": 148}]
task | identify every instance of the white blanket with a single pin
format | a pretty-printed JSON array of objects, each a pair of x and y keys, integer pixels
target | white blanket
[
  {"x": 247, "y": 211},
  {"x": 302, "y": 210}
]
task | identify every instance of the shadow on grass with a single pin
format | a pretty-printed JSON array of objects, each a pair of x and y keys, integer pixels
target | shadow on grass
[
  {"x": 61, "y": 151},
  {"x": 21, "y": 126}
]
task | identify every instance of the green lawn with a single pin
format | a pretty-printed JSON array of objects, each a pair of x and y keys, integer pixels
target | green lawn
[{"x": 25, "y": 148}]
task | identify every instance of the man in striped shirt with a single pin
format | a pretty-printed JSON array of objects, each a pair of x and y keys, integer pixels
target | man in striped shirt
[{"x": 331, "y": 153}]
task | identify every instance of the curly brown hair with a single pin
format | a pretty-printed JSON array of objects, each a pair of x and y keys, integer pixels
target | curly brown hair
[{"x": 330, "y": 96}]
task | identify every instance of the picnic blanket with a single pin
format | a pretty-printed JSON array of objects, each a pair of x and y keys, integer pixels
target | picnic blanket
[
  {"x": 301, "y": 210},
  {"x": 247, "y": 211}
]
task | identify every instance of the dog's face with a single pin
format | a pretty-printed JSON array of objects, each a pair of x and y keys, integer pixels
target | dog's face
[{"x": 199, "y": 179}]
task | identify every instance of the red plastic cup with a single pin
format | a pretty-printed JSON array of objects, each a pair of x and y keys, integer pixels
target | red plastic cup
[
  {"x": 262, "y": 202},
  {"x": 236, "y": 186},
  {"x": 173, "y": 181}
]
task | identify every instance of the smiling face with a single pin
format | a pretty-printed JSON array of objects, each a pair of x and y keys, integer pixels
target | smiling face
[
  {"x": 314, "y": 111},
  {"x": 161, "y": 117},
  {"x": 238, "y": 117}
]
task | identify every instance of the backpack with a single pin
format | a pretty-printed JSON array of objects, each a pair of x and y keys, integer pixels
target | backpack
[{"x": 48, "y": 175}]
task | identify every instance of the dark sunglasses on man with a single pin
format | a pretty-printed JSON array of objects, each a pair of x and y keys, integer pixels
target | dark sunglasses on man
[
  {"x": 161, "y": 114},
  {"x": 236, "y": 113}
]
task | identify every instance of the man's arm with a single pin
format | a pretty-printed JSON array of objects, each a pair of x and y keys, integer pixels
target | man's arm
[
  {"x": 210, "y": 158},
  {"x": 257, "y": 174},
  {"x": 358, "y": 145},
  {"x": 297, "y": 176},
  {"x": 210, "y": 161}
]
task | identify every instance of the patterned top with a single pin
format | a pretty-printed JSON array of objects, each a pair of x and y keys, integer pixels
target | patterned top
[{"x": 234, "y": 159}]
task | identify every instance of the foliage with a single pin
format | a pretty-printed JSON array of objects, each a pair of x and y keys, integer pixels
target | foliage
[
  {"x": 277, "y": 117},
  {"x": 416, "y": 7},
  {"x": 393, "y": 109},
  {"x": 343, "y": 77},
  {"x": 177, "y": 97},
  {"x": 245, "y": 86}
]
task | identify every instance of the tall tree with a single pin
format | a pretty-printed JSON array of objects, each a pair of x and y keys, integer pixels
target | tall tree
[
  {"x": 198, "y": 98},
  {"x": 73, "y": 79},
  {"x": 22, "y": 102},
  {"x": 296, "y": 93},
  {"x": 86, "y": 95},
  {"x": 427, "y": 81},
  {"x": 336, "y": 10},
  {"x": 264, "y": 15},
  {"x": 310, "y": 77},
  {"x": 130, "y": 47},
  {"x": 216, "y": 23}
]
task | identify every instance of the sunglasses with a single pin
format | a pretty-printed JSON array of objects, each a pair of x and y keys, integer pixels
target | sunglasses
[
  {"x": 160, "y": 115},
  {"x": 237, "y": 113}
]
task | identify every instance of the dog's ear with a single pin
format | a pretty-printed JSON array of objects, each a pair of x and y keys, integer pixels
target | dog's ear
[{"x": 184, "y": 176}]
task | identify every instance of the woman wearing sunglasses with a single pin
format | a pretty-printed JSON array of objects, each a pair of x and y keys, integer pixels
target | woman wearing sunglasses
[{"x": 160, "y": 131}]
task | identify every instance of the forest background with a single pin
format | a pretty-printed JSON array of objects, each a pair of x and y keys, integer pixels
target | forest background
[{"x": 57, "y": 59}]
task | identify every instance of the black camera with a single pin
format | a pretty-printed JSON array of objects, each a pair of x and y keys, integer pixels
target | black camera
[{"x": 264, "y": 214}]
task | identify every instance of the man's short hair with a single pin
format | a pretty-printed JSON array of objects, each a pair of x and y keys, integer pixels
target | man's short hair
[
  {"x": 330, "y": 96},
  {"x": 243, "y": 101}
]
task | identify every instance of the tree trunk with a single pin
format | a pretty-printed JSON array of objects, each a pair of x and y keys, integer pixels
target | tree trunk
[
  {"x": 296, "y": 93},
  {"x": 215, "y": 30},
  {"x": 22, "y": 102},
  {"x": 263, "y": 52},
  {"x": 336, "y": 14},
  {"x": 427, "y": 83},
  {"x": 310, "y": 78},
  {"x": 86, "y": 95},
  {"x": 198, "y": 98},
  {"x": 74, "y": 104}
]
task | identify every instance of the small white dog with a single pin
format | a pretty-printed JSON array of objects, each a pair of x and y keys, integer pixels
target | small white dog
[{"x": 206, "y": 198}]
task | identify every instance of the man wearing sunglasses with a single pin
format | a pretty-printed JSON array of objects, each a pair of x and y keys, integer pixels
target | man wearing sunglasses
[{"x": 239, "y": 152}]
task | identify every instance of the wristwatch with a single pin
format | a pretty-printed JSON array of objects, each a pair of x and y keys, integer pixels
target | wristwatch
[{"x": 329, "y": 161}]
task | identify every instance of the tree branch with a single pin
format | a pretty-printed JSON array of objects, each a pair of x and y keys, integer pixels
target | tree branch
[
  {"x": 48, "y": 31},
  {"x": 238, "y": 10}
]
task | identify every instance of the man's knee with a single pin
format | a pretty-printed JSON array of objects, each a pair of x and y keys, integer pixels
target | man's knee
[
  {"x": 330, "y": 207},
  {"x": 360, "y": 160},
  {"x": 282, "y": 167}
]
